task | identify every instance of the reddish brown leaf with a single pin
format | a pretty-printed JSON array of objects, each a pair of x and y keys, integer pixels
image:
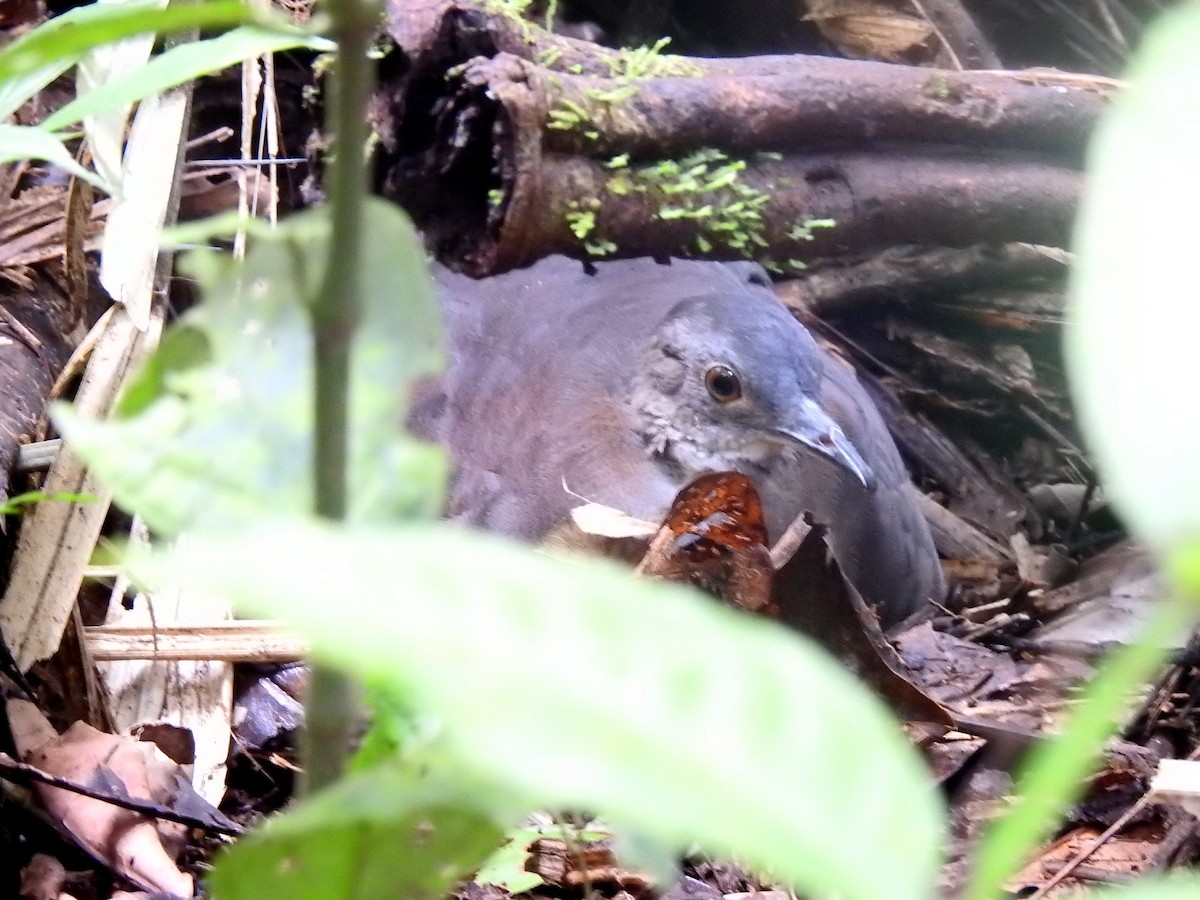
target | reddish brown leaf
[{"x": 715, "y": 537}]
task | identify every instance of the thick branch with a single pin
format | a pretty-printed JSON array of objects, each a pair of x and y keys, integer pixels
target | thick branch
[
  {"x": 875, "y": 200},
  {"x": 816, "y": 102}
]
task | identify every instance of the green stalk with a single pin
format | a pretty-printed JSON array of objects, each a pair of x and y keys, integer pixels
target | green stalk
[
  {"x": 330, "y": 708},
  {"x": 1056, "y": 773}
]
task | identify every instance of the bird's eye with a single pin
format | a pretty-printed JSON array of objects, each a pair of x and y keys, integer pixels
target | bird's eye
[{"x": 723, "y": 384}]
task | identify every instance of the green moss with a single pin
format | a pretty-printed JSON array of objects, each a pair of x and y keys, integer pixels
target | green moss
[
  {"x": 617, "y": 94},
  {"x": 626, "y": 69},
  {"x": 705, "y": 187},
  {"x": 651, "y": 62},
  {"x": 514, "y": 9},
  {"x": 566, "y": 115},
  {"x": 581, "y": 219},
  {"x": 581, "y": 222},
  {"x": 802, "y": 229},
  {"x": 600, "y": 247},
  {"x": 548, "y": 56},
  {"x": 708, "y": 188},
  {"x": 940, "y": 87}
]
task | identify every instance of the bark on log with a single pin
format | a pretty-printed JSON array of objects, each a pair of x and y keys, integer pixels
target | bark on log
[
  {"x": 38, "y": 329},
  {"x": 507, "y": 143},
  {"x": 811, "y": 102},
  {"x": 976, "y": 281},
  {"x": 48, "y": 298}
]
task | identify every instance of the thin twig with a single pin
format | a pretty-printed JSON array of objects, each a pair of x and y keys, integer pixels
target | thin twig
[
  {"x": 1095, "y": 845},
  {"x": 18, "y": 772}
]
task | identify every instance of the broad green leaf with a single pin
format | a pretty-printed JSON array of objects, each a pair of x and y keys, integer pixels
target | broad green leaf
[
  {"x": 386, "y": 833},
  {"x": 1129, "y": 343},
  {"x": 20, "y": 142},
  {"x": 74, "y": 33},
  {"x": 1132, "y": 327},
  {"x": 1183, "y": 565},
  {"x": 395, "y": 731},
  {"x": 16, "y": 91},
  {"x": 573, "y": 685},
  {"x": 505, "y": 868},
  {"x": 180, "y": 64},
  {"x": 20, "y": 78},
  {"x": 217, "y": 427}
]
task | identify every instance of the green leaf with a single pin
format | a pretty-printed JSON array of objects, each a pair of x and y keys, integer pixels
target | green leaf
[
  {"x": 74, "y": 33},
  {"x": 20, "y": 142},
  {"x": 180, "y": 64},
  {"x": 1056, "y": 771},
  {"x": 220, "y": 225},
  {"x": 573, "y": 685},
  {"x": 386, "y": 833},
  {"x": 1131, "y": 336},
  {"x": 16, "y": 91},
  {"x": 217, "y": 427},
  {"x": 1183, "y": 567},
  {"x": 18, "y": 503},
  {"x": 506, "y": 867},
  {"x": 1129, "y": 349}
]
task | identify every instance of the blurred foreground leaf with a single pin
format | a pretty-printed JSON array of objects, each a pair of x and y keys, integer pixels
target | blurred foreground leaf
[
  {"x": 572, "y": 685},
  {"x": 217, "y": 427}
]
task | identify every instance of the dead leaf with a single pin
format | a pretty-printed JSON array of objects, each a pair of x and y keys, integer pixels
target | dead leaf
[
  {"x": 715, "y": 537},
  {"x": 130, "y": 842},
  {"x": 43, "y": 878},
  {"x": 588, "y": 863},
  {"x": 864, "y": 29},
  {"x": 604, "y": 521},
  {"x": 813, "y": 596}
]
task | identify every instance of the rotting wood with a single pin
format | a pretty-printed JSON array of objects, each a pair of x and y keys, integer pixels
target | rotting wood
[
  {"x": 990, "y": 503},
  {"x": 978, "y": 280},
  {"x": 507, "y": 143},
  {"x": 813, "y": 101},
  {"x": 958, "y": 540},
  {"x": 43, "y": 314},
  {"x": 874, "y": 200}
]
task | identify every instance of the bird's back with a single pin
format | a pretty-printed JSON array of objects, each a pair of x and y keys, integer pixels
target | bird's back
[{"x": 514, "y": 375}]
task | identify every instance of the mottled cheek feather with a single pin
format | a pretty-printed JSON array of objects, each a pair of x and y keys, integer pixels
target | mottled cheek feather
[{"x": 718, "y": 455}]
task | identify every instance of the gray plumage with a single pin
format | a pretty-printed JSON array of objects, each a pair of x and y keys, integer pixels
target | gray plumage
[{"x": 599, "y": 381}]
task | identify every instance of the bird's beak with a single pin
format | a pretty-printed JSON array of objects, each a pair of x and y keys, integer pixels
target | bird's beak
[{"x": 813, "y": 428}]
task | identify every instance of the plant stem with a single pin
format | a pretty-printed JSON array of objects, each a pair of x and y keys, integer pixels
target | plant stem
[
  {"x": 1056, "y": 772},
  {"x": 335, "y": 317}
]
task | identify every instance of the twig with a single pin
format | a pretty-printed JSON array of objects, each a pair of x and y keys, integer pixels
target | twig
[
  {"x": 1095, "y": 845},
  {"x": 11, "y": 770}
]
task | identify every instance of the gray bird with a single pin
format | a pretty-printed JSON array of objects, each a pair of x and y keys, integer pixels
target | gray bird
[{"x": 623, "y": 385}]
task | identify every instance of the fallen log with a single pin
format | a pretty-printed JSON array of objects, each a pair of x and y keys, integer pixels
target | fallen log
[{"x": 507, "y": 143}]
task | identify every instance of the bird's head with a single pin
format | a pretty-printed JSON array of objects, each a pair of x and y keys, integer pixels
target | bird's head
[{"x": 732, "y": 379}]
